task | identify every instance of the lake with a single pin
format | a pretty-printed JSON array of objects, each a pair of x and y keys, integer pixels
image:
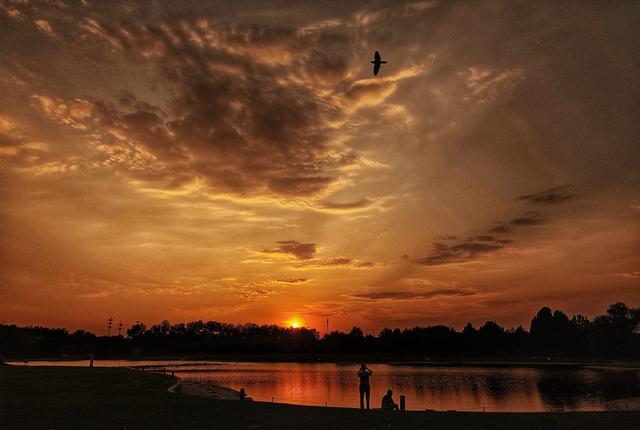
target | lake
[{"x": 425, "y": 387}]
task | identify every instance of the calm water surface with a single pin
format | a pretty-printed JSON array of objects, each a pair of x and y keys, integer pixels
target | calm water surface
[{"x": 439, "y": 388}]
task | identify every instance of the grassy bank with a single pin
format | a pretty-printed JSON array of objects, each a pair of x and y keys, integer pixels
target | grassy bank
[{"x": 109, "y": 398}]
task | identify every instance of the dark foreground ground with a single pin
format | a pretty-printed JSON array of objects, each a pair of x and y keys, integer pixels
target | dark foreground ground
[{"x": 62, "y": 398}]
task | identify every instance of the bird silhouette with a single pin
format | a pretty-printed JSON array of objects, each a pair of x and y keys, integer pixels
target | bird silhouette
[{"x": 377, "y": 61}]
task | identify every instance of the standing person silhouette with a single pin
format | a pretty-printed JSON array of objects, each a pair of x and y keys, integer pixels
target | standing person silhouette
[{"x": 365, "y": 388}]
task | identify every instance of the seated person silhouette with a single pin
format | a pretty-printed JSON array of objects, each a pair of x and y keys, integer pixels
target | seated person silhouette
[
  {"x": 388, "y": 403},
  {"x": 365, "y": 388}
]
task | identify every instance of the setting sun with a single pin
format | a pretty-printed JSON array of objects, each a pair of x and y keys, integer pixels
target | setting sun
[{"x": 295, "y": 323}]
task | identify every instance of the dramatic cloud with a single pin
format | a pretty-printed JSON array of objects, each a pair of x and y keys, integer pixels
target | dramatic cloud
[
  {"x": 552, "y": 196},
  {"x": 477, "y": 246},
  {"x": 338, "y": 262},
  {"x": 366, "y": 264},
  {"x": 254, "y": 295},
  {"x": 247, "y": 112},
  {"x": 411, "y": 295},
  {"x": 358, "y": 204},
  {"x": 459, "y": 253},
  {"x": 485, "y": 238},
  {"x": 447, "y": 237},
  {"x": 234, "y": 135},
  {"x": 531, "y": 218},
  {"x": 501, "y": 229},
  {"x": 294, "y": 280},
  {"x": 302, "y": 251}
]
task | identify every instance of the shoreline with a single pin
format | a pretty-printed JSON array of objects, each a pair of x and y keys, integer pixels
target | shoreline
[{"x": 206, "y": 389}]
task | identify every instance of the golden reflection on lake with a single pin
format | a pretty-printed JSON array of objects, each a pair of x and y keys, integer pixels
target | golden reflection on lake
[{"x": 439, "y": 388}]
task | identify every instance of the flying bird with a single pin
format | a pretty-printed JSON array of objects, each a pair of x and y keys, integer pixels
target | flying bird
[{"x": 376, "y": 63}]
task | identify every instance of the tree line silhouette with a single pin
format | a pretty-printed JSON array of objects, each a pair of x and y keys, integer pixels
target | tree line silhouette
[{"x": 552, "y": 335}]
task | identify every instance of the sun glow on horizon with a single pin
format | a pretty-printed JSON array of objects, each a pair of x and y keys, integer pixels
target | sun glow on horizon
[{"x": 295, "y": 323}]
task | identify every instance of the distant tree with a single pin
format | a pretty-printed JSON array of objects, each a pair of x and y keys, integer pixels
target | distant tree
[
  {"x": 196, "y": 328},
  {"x": 469, "y": 330},
  {"x": 550, "y": 332},
  {"x": 612, "y": 335},
  {"x": 623, "y": 318},
  {"x": 542, "y": 326},
  {"x": 356, "y": 332},
  {"x": 519, "y": 341},
  {"x": 136, "y": 330},
  {"x": 490, "y": 338},
  {"x": 580, "y": 323},
  {"x": 469, "y": 340}
]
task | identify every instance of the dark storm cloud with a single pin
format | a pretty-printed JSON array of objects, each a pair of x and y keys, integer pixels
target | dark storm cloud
[
  {"x": 458, "y": 253},
  {"x": 293, "y": 280},
  {"x": 479, "y": 245},
  {"x": 410, "y": 295},
  {"x": 341, "y": 262},
  {"x": 302, "y": 251},
  {"x": 447, "y": 237},
  {"x": 296, "y": 185},
  {"x": 551, "y": 196},
  {"x": 338, "y": 262},
  {"x": 474, "y": 248},
  {"x": 501, "y": 229},
  {"x": 485, "y": 238},
  {"x": 531, "y": 218},
  {"x": 267, "y": 142},
  {"x": 358, "y": 204},
  {"x": 244, "y": 115}
]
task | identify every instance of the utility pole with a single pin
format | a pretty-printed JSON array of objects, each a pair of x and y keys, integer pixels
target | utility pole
[
  {"x": 120, "y": 328},
  {"x": 109, "y": 325},
  {"x": 327, "y": 325}
]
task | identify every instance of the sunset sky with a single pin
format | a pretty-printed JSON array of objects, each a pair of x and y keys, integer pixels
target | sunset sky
[{"x": 238, "y": 161}]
